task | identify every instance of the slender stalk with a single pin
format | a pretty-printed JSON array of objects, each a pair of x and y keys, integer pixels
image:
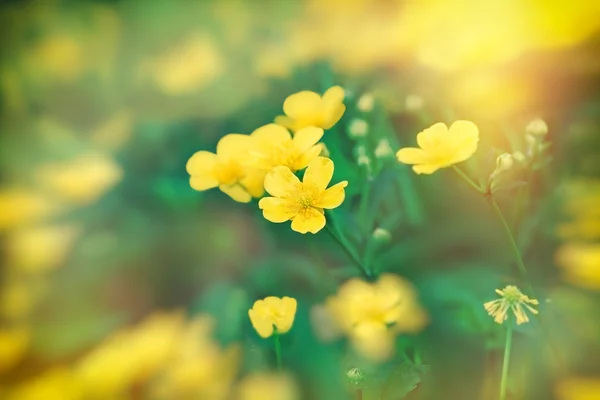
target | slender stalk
[
  {"x": 467, "y": 179},
  {"x": 363, "y": 206},
  {"x": 277, "y": 348},
  {"x": 349, "y": 249},
  {"x": 359, "y": 394},
  {"x": 505, "y": 363}
]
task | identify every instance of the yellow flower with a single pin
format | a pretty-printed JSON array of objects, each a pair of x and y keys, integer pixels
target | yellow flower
[
  {"x": 13, "y": 345},
  {"x": 225, "y": 169},
  {"x": 578, "y": 388},
  {"x": 273, "y": 312},
  {"x": 19, "y": 207},
  {"x": 580, "y": 263},
  {"x": 267, "y": 386},
  {"x": 441, "y": 147},
  {"x": 307, "y": 108},
  {"x": 302, "y": 202},
  {"x": 55, "y": 384},
  {"x": 272, "y": 146},
  {"x": 512, "y": 299},
  {"x": 372, "y": 313}
]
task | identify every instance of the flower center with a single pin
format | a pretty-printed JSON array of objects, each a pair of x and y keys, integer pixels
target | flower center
[
  {"x": 513, "y": 295},
  {"x": 229, "y": 172}
]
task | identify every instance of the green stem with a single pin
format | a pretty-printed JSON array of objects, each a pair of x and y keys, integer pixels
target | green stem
[
  {"x": 467, "y": 179},
  {"x": 513, "y": 243},
  {"x": 277, "y": 348},
  {"x": 359, "y": 394},
  {"x": 505, "y": 363},
  {"x": 363, "y": 207},
  {"x": 347, "y": 247}
]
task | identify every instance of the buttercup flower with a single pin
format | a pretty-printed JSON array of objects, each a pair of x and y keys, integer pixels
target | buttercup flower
[
  {"x": 267, "y": 386},
  {"x": 273, "y": 145},
  {"x": 441, "y": 147},
  {"x": 302, "y": 202},
  {"x": 307, "y": 108},
  {"x": 578, "y": 388},
  {"x": 580, "y": 263},
  {"x": 512, "y": 299},
  {"x": 372, "y": 313},
  {"x": 273, "y": 312},
  {"x": 226, "y": 170}
]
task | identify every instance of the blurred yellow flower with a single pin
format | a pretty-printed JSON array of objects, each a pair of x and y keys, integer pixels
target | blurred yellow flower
[
  {"x": 441, "y": 147},
  {"x": 513, "y": 299},
  {"x": 273, "y": 312},
  {"x": 373, "y": 313},
  {"x": 41, "y": 248},
  {"x": 200, "y": 368},
  {"x": 578, "y": 388},
  {"x": 59, "y": 56},
  {"x": 302, "y": 202},
  {"x": 267, "y": 386},
  {"x": 82, "y": 180},
  {"x": 189, "y": 66},
  {"x": 274, "y": 146},
  {"x": 19, "y": 207},
  {"x": 580, "y": 206},
  {"x": 307, "y": 108},
  {"x": 130, "y": 356},
  {"x": 18, "y": 297},
  {"x": 113, "y": 133},
  {"x": 55, "y": 384},
  {"x": 13, "y": 345},
  {"x": 226, "y": 169},
  {"x": 580, "y": 264}
]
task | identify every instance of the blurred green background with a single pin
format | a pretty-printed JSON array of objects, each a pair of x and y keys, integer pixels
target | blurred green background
[{"x": 103, "y": 102}]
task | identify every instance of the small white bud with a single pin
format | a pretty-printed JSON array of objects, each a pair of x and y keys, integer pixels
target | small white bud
[
  {"x": 364, "y": 160},
  {"x": 355, "y": 376},
  {"x": 358, "y": 128},
  {"x": 324, "y": 150},
  {"x": 504, "y": 162},
  {"x": 532, "y": 144},
  {"x": 382, "y": 235},
  {"x": 537, "y": 127},
  {"x": 413, "y": 103},
  {"x": 366, "y": 102},
  {"x": 518, "y": 156},
  {"x": 383, "y": 149}
]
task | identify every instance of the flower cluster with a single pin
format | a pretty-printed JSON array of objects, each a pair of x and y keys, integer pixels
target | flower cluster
[
  {"x": 244, "y": 166},
  {"x": 511, "y": 299}
]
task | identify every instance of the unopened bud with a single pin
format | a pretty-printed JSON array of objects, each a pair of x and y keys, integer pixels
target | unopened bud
[
  {"x": 355, "y": 376},
  {"x": 383, "y": 149},
  {"x": 413, "y": 103},
  {"x": 358, "y": 128},
  {"x": 537, "y": 127},
  {"x": 504, "y": 162},
  {"x": 532, "y": 144},
  {"x": 324, "y": 150},
  {"x": 382, "y": 235},
  {"x": 366, "y": 102},
  {"x": 364, "y": 160},
  {"x": 518, "y": 156}
]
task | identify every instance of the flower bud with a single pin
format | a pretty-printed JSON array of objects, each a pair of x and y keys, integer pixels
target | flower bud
[
  {"x": 382, "y": 235},
  {"x": 504, "y": 162},
  {"x": 364, "y": 160},
  {"x": 355, "y": 376},
  {"x": 413, "y": 103},
  {"x": 366, "y": 102},
  {"x": 358, "y": 128},
  {"x": 383, "y": 149},
  {"x": 324, "y": 150},
  {"x": 532, "y": 144},
  {"x": 518, "y": 156},
  {"x": 537, "y": 127}
]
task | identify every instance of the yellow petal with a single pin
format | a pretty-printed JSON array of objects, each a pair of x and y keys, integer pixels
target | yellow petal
[
  {"x": 233, "y": 145},
  {"x": 302, "y": 104},
  {"x": 201, "y": 168},
  {"x": 374, "y": 341},
  {"x": 310, "y": 220},
  {"x": 236, "y": 192},
  {"x": 426, "y": 169},
  {"x": 465, "y": 135},
  {"x": 412, "y": 155},
  {"x": 333, "y": 116},
  {"x": 288, "y": 307},
  {"x": 277, "y": 210},
  {"x": 307, "y": 137},
  {"x": 270, "y": 134},
  {"x": 333, "y": 95},
  {"x": 280, "y": 181},
  {"x": 254, "y": 182},
  {"x": 430, "y": 137},
  {"x": 307, "y": 157},
  {"x": 332, "y": 197},
  {"x": 262, "y": 325},
  {"x": 319, "y": 173},
  {"x": 284, "y": 120}
]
